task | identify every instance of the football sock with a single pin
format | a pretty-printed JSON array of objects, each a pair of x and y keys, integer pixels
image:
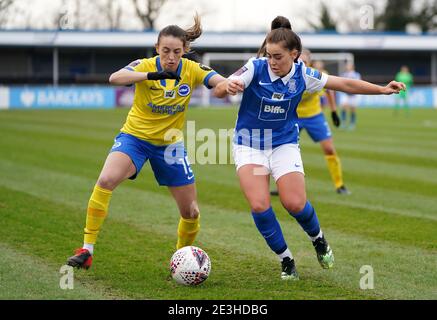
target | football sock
[
  {"x": 96, "y": 213},
  {"x": 334, "y": 167},
  {"x": 285, "y": 254},
  {"x": 187, "y": 231},
  {"x": 270, "y": 229},
  {"x": 353, "y": 118},
  {"x": 89, "y": 247},
  {"x": 343, "y": 116},
  {"x": 307, "y": 219},
  {"x": 318, "y": 236}
]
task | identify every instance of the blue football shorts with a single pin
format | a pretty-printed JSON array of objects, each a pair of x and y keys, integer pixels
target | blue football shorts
[
  {"x": 169, "y": 163},
  {"x": 316, "y": 126}
]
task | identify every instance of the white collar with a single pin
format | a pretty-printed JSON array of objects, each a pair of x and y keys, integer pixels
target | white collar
[{"x": 285, "y": 79}]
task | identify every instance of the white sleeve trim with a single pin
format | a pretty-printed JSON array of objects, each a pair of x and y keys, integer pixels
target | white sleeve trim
[{"x": 314, "y": 83}]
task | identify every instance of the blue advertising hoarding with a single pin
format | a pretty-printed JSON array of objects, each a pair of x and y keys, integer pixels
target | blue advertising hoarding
[{"x": 73, "y": 97}]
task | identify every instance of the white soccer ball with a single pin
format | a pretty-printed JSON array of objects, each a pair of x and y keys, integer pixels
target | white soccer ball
[{"x": 190, "y": 266}]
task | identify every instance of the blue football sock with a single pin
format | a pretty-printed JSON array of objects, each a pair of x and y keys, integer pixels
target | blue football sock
[
  {"x": 343, "y": 116},
  {"x": 307, "y": 219},
  {"x": 353, "y": 118},
  {"x": 270, "y": 229}
]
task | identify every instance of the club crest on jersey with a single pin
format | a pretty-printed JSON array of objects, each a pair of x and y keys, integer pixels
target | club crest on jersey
[
  {"x": 292, "y": 86},
  {"x": 169, "y": 94},
  {"x": 184, "y": 90}
]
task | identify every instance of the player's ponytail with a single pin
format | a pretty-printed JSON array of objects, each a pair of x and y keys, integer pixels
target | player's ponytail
[
  {"x": 278, "y": 22},
  {"x": 186, "y": 36},
  {"x": 195, "y": 31}
]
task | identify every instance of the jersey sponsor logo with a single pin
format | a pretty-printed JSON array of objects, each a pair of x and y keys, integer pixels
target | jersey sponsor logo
[
  {"x": 313, "y": 73},
  {"x": 169, "y": 94},
  {"x": 240, "y": 71},
  {"x": 184, "y": 90},
  {"x": 170, "y": 110},
  {"x": 273, "y": 109},
  {"x": 205, "y": 68},
  {"x": 277, "y": 96}
]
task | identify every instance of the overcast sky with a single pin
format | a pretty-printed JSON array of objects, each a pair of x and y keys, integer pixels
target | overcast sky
[{"x": 220, "y": 15}]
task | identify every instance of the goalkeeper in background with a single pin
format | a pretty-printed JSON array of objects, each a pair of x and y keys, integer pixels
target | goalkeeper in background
[
  {"x": 312, "y": 118},
  {"x": 406, "y": 78}
]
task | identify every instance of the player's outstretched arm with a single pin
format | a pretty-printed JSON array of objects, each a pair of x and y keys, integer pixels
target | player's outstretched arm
[
  {"x": 128, "y": 76},
  {"x": 215, "y": 81},
  {"x": 353, "y": 86},
  {"x": 125, "y": 77},
  {"x": 228, "y": 86}
]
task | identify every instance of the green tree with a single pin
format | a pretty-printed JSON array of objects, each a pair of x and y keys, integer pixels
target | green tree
[
  {"x": 426, "y": 18},
  {"x": 396, "y": 16},
  {"x": 326, "y": 22}
]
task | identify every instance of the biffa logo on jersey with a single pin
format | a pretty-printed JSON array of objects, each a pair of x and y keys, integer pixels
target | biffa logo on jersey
[{"x": 273, "y": 109}]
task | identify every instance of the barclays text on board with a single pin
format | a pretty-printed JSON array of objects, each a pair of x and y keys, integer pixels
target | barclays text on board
[{"x": 61, "y": 97}]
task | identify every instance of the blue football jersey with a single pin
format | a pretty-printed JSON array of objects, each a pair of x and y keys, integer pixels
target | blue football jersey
[{"x": 267, "y": 116}]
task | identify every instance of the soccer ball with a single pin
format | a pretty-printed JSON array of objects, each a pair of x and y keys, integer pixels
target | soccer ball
[{"x": 190, "y": 266}]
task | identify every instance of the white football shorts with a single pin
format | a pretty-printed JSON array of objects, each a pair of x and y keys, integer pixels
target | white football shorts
[
  {"x": 277, "y": 162},
  {"x": 350, "y": 100}
]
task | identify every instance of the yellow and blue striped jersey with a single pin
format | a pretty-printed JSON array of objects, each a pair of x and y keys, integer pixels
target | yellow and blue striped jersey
[{"x": 159, "y": 107}]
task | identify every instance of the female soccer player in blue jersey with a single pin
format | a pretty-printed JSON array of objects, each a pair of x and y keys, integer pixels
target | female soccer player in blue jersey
[
  {"x": 164, "y": 85},
  {"x": 266, "y": 137}
]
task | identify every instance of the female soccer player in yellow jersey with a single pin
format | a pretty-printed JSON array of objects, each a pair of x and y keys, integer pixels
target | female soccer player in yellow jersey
[
  {"x": 164, "y": 85},
  {"x": 312, "y": 119}
]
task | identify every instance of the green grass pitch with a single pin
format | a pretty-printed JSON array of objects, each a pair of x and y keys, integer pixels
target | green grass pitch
[{"x": 50, "y": 161}]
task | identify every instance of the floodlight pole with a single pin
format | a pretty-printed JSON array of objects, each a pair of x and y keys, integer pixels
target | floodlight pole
[
  {"x": 434, "y": 68},
  {"x": 55, "y": 66}
]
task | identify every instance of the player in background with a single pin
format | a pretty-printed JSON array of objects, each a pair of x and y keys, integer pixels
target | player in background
[
  {"x": 348, "y": 101},
  {"x": 320, "y": 65},
  {"x": 267, "y": 134},
  {"x": 153, "y": 131},
  {"x": 406, "y": 78},
  {"x": 312, "y": 118}
]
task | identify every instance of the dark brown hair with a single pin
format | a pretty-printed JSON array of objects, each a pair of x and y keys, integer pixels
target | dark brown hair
[
  {"x": 281, "y": 31},
  {"x": 186, "y": 36}
]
